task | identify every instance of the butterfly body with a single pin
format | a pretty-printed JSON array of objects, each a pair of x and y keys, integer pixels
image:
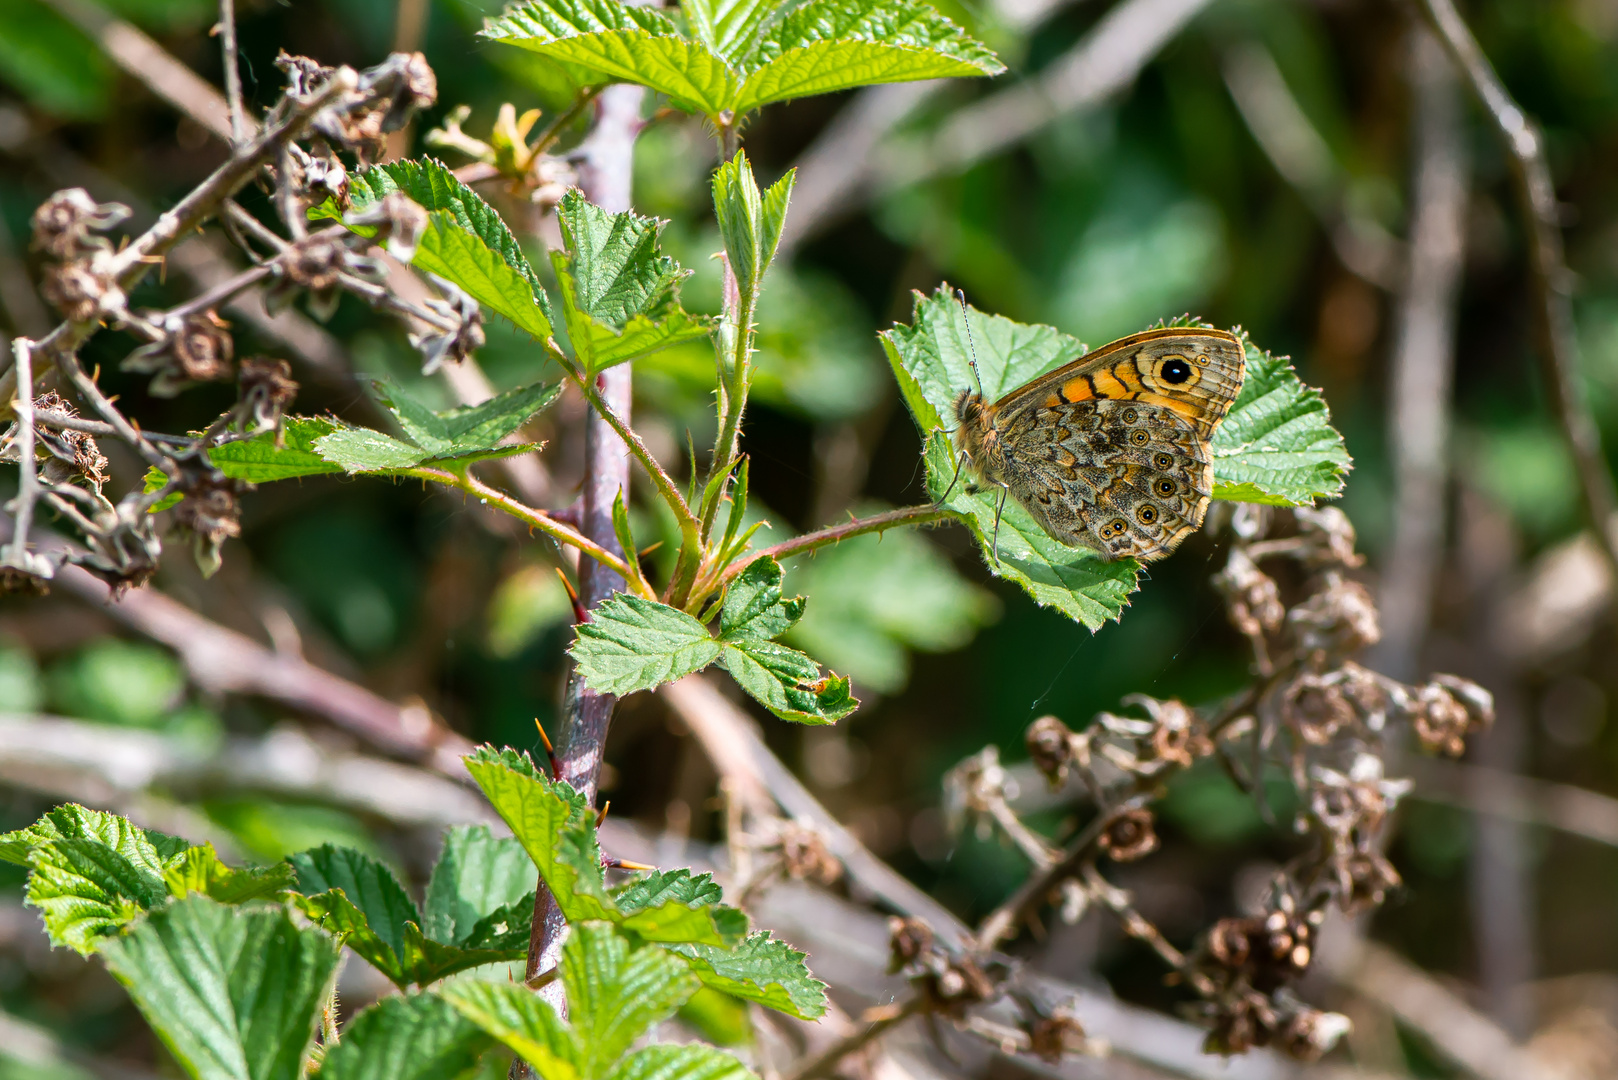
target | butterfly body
[{"x": 1111, "y": 452}]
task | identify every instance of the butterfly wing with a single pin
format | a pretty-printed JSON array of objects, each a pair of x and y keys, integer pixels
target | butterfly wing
[{"x": 1111, "y": 452}]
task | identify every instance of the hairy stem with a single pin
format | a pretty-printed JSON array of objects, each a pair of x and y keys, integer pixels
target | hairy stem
[{"x": 538, "y": 519}]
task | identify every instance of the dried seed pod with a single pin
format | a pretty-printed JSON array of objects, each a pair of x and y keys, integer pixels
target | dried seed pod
[
  {"x": 399, "y": 221},
  {"x": 1330, "y": 535},
  {"x": 62, "y": 224},
  {"x": 264, "y": 390},
  {"x": 194, "y": 348},
  {"x": 1441, "y": 722},
  {"x": 83, "y": 291},
  {"x": 73, "y": 455},
  {"x": 1129, "y": 835},
  {"x": 210, "y": 512},
  {"x": 1341, "y": 618},
  {"x": 1252, "y": 598},
  {"x": 1308, "y": 1034},
  {"x": 1315, "y": 708},
  {"x": 1050, "y": 745}
]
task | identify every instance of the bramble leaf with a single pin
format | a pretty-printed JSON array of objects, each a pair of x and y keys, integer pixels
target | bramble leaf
[
  {"x": 478, "y": 876},
  {"x": 749, "y": 222},
  {"x": 234, "y": 993},
  {"x": 787, "y": 682},
  {"x": 522, "y": 1020},
  {"x": 631, "y": 643},
  {"x": 754, "y": 607},
  {"x": 1277, "y": 446},
  {"x": 747, "y": 54},
  {"x": 70, "y": 821},
  {"x": 831, "y": 45},
  {"x": 200, "y": 870},
  {"x": 760, "y": 969},
  {"x": 466, "y": 242},
  {"x": 615, "y": 993},
  {"x": 620, "y": 294},
  {"x": 406, "y": 1037}
]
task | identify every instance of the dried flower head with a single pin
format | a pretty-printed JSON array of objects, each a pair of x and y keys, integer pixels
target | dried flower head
[
  {"x": 1129, "y": 835},
  {"x": 1329, "y": 535},
  {"x": 194, "y": 348},
  {"x": 399, "y": 222},
  {"x": 1315, "y": 708},
  {"x": 1178, "y": 735},
  {"x": 1441, "y": 721},
  {"x": 1252, "y": 598},
  {"x": 70, "y": 454},
  {"x": 1340, "y": 618},
  {"x": 1308, "y": 1034},
  {"x": 83, "y": 291},
  {"x": 210, "y": 511},
  {"x": 1050, "y": 745},
  {"x": 62, "y": 224},
  {"x": 457, "y": 344},
  {"x": 264, "y": 390},
  {"x": 951, "y": 983},
  {"x": 804, "y": 854},
  {"x": 316, "y": 263},
  {"x": 324, "y": 178},
  {"x": 1056, "y": 1036}
]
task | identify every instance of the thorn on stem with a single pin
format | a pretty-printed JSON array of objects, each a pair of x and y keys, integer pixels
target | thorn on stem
[{"x": 550, "y": 751}]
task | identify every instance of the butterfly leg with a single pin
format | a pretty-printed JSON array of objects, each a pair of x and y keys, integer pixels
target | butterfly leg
[
  {"x": 960, "y": 462},
  {"x": 999, "y": 507}
]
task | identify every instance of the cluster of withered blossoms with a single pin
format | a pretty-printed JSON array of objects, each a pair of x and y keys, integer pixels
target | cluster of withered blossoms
[
  {"x": 52, "y": 431},
  {"x": 1311, "y": 712}
]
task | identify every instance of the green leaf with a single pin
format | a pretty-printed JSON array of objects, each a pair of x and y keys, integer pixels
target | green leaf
[
  {"x": 620, "y": 295},
  {"x": 761, "y": 969},
  {"x": 1277, "y": 446},
  {"x": 70, "y": 821},
  {"x": 481, "y": 426},
  {"x": 258, "y": 460},
  {"x": 200, "y": 870},
  {"x": 749, "y": 223},
  {"x": 730, "y": 28},
  {"x": 615, "y": 993},
  {"x": 746, "y": 54},
  {"x": 478, "y": 876},
  {"x": 357, "y": 450},
  {"x": 410, "y": 1037},
  {"x": 787, "y": 682},
  {"x": 690, "y": 1061},
  {"x": 557, "y": 829},
  {"x": 631, "y": 643},
  {"x": 360, "y": 898},
  {"x": 611, "y": 42},
  {"x": 662, "y": 893},
  {"x": 234, "y": 993},
  {"x": 830, "y": 45},
  {"x": 467, "y": 241},
  {"x": 522, "y": 1020},
  {"x": 753, "y": 605},
  {"x": 86, "y": 889},
  {"x": 554, "y": 824}
]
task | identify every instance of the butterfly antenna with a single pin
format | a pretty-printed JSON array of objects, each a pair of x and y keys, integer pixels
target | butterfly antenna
[{"x": 971, "y": 346}]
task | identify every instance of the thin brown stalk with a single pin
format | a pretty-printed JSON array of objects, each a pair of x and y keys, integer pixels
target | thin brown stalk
[
  {"x": 908, "y": 515},
  {"x": 825, "y": 1063},
  {"x": 233, "y": 72},
  {"x": 1552, "y": 306}
]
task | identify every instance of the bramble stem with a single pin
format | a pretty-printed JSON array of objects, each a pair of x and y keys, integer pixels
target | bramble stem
[
  {"x": 538, "y": 519},
  {"x": 798, "y": 545}
]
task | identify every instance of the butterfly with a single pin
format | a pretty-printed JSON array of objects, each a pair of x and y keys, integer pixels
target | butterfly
[{"x": 1111, "y": 452}]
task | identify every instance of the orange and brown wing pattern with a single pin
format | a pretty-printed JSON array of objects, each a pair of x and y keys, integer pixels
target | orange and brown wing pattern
[{"x": 1195, "y": 373}]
